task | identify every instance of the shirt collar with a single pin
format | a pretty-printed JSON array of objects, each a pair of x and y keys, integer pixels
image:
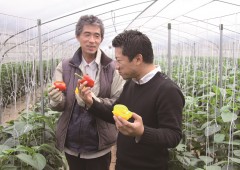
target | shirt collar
[
  {"x": 91, "y": 65},
  {"x": 95, "y": 62},
  {"x": 148, "y": 76}
]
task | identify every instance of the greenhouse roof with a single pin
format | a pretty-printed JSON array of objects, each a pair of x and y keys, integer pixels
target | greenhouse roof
[{"x": 191, "y": 20}]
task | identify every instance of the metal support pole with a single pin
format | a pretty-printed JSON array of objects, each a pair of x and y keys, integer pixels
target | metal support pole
[
  {"x": 220, "y": 63},
  {"x": 1, "y": 107},
  {"x": 169, "y": 51},
  {"x": 1, "y": 99},
  {"x": 234, "y": 53},
  {"x": 194, "y": 49},
  {"x": 194, "y": 66},
  {"x": 40, "y": 64},
  {"x": 41, "y": 71}
]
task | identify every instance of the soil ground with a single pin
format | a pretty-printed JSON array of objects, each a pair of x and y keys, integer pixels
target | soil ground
[{"x": 11, "y": 111}]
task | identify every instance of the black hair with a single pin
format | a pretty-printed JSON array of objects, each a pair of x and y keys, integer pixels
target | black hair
[{"x": 134, "y": 42}]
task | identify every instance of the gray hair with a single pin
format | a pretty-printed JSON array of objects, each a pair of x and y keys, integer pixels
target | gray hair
[{"x": 89, "y": 20}]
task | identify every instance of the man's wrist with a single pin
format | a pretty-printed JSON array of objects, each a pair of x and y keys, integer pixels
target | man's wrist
[
  {"x": 89, "y": 104},
  {"x": 137, "y": 139}
]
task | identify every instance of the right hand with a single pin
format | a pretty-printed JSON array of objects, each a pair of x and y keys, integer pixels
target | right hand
[
  {"x": 54, "y": 94},
  {"x": 85, "y": 93}
]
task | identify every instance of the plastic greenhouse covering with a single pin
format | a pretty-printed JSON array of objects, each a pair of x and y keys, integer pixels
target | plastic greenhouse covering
[{"x": 195, "y": 42}]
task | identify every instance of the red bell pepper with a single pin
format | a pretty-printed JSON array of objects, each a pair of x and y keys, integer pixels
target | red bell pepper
[
  {"x": 60, "y": 85},
  {"x": 90, "y": 82}
]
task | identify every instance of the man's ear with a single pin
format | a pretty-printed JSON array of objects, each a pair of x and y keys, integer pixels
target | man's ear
[{"x": 138, "y": 59}]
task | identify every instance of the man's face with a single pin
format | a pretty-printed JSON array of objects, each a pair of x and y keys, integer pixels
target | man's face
[
  {"x": 90, "y": 39},
  {"x": 125, "y": 68}
]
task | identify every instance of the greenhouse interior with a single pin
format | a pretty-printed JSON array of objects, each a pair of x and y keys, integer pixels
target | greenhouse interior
[{"x": 196, "y": 43}]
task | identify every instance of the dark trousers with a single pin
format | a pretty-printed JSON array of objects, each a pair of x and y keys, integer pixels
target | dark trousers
[{"x": 100, "y": 163}]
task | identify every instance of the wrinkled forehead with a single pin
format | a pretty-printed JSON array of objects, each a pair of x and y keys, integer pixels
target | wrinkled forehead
[{"x": 93, "y": 28}]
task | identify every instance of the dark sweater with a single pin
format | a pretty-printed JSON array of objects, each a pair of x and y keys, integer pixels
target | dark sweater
[{"x": 159, "y": 102}]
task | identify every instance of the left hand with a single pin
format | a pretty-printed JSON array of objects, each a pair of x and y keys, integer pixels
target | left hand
[{"x": 127, "y": 128}]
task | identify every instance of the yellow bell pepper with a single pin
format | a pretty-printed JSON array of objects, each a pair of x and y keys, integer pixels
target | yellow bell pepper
[
  {"x": 122, "y": 111},
  {"x": 76, "y": 91}
]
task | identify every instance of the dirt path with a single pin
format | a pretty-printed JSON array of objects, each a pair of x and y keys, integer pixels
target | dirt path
[
  {"x": 11, "y": 112},
  {"x": 113, "y": 161}
]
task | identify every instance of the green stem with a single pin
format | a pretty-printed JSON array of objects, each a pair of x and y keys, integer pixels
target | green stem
[{"x": 76, "y": 74}]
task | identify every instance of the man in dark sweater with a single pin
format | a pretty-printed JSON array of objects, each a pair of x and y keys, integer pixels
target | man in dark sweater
[{"x": 155, "y": 100}]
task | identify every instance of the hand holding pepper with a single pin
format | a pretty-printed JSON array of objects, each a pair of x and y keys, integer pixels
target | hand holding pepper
[
  {"x": 60, "y": 85},
  {"x": 90, "y": 82},
  {"x": 55, "y": 92},
  {"x": 83, "y": 90},
  {"x": 122, "y": 111}
]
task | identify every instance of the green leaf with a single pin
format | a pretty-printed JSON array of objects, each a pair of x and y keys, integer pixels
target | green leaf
[
  {"x": 206, "y": 159},
  {"x": 220, "y": 163},
  {"x": 190, "y": 100},
  {"x": 205, "y": 125},
  {"x": 181, "y": 147},
  {"x": 223, "y": 92},
  {"x": 225, "y": 109},
  {"x": 228, "y": 117},
  {"x": 8, "y": 151},
  {"x": 235, "y": 160},
  {"x": 8, "y": 167},
  {"x": 216, "y": 90},
  {"x": 201, "y": 113},
  {"x": 3, "y": 147},
  {"x": 184, "y": 160},
  {"x": 236, "y": 152},
  {"x": 210, "y": 130},
  {"x": 211, "y": 94},
  {"x": 24, "y": 149},
  {"x": 194, "y": 161},
  {"x": 12, "y": 142},
  {"x": 187, "y": 154},
  {"x": 19, "y": 128},
  {"x": 219, "y": 138},
  {"x": 37, "y": 161},
  {"x": 230, "y": 167},
  {"x": 236, "y": 133},
  {"x": 213, "y": 167},
  {"x": 235, "y": 142}
]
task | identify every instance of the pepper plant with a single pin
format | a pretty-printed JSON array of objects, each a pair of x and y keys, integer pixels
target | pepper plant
[
  {"x": 29, "y": 142},
  {"x": 211, "y": 130}
]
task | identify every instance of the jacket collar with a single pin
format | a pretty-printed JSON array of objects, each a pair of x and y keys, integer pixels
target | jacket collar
[{"x": 101, "y": 57}]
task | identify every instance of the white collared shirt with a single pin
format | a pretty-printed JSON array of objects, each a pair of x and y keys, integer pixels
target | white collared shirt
[
  {"x": 90, "y": 69},
  {"x": 148, "y": 76}
]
